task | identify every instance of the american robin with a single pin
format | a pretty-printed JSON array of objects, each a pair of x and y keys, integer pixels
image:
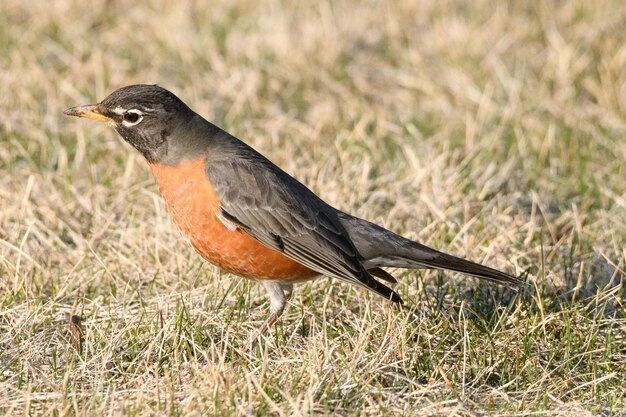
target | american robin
[{"x": 247, "y": 216}]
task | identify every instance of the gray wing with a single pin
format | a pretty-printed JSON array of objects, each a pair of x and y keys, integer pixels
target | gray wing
[{"x": 281, "y": 213}]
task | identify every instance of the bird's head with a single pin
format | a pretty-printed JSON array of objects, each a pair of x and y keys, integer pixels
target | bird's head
[{"x": 144, "y": 115}]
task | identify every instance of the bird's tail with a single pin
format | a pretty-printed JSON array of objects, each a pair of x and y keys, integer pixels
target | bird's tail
[
  {"x": 424, "y": 257},
  {"x": 382, "y": 248}
]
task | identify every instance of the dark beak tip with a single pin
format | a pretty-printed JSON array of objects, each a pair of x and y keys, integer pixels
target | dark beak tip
[{"x": 73, "y": 111}]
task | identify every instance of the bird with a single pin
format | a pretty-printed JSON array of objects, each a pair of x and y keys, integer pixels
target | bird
[{"x": 247, "y": 216}]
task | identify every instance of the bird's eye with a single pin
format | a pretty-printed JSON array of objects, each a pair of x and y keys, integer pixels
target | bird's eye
[{"x": 132, "y": 117}]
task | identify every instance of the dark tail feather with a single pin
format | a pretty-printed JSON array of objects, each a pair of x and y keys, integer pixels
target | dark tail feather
[
  {"x": 382, "y": 248},
  {"x": 366, "y": 279},
  {"x": 452, "y": 263},
  {"x": 430, "y": 258},
  {"x": 388, "y": 293},
  {"x": 382, "y": 274},
  {"x": 384, "y": 290}
]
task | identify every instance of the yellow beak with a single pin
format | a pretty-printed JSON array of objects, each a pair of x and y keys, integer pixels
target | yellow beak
[{"x": 90, "y": 111}]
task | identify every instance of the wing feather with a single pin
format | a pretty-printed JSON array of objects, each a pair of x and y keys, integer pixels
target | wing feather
[{"x": 281, "y": 213}]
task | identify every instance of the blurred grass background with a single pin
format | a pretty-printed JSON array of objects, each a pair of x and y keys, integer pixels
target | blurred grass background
[{"x": 491, "y": 130}]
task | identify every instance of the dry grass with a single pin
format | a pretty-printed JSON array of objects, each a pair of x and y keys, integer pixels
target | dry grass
[{"x": 490, "y": 130}]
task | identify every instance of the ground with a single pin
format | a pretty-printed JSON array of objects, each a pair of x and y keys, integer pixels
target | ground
[{"x": 491, "y": 130}]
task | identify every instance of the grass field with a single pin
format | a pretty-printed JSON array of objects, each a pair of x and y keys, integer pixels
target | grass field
[{"x": 491, "y": 130}]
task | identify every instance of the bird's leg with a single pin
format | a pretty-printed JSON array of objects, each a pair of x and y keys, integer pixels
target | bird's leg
[
  {"x": 279, "y": 294},
  {"x": 287, "y": 290}
]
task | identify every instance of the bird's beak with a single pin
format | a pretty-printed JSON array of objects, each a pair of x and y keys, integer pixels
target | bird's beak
[{"x": 90, "y": 111}]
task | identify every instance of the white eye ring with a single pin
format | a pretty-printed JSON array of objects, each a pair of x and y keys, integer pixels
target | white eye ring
[{"x": 132, "y": 117}]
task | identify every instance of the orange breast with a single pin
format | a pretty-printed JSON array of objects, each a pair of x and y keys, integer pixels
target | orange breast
[{"x": 193, "y": 204}]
